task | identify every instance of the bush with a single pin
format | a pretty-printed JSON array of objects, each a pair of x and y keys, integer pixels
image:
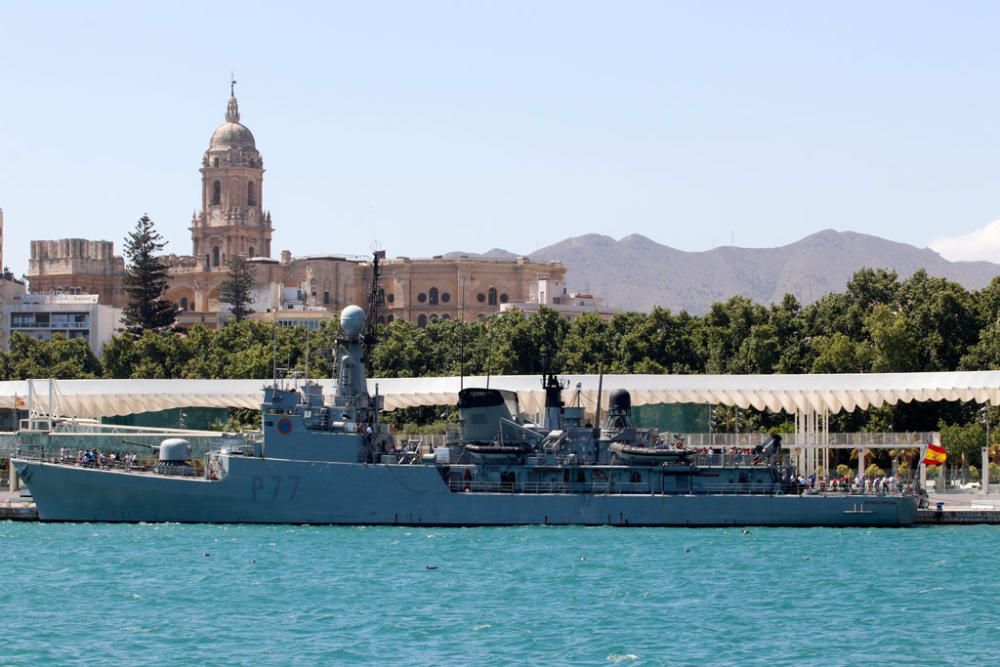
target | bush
[{"x": 843, "y": 469}]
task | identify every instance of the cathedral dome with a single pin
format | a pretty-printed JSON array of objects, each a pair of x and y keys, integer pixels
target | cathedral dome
[{"x": 232, "y": 133}]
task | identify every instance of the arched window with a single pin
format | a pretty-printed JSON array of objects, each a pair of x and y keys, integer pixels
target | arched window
[
  {"x": 433, "y": 298},
  {"x": 446, "y": 316},
  {"x": 251, "y": 253},
  {"x": 184, "y": 303},
  {"x": 422, "y": 321},
  {"x": 434, "y": 318},
  {"x": 251, "y": 194},
  {"x": 392, "y": 298},
  {"x": 380, "y": 296},
  {"x": 215, "y": 163},
  {"x": 491, "y": 297},
  {"x": 215, "y": 255},
  {"x": 389, "y": 318},
  {"x": 216, "y": 192}
]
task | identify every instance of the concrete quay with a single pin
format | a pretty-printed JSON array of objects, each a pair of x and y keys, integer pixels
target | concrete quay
[
  {"x": 14, "y": 507},
  {"x": 961, "y": 508}
]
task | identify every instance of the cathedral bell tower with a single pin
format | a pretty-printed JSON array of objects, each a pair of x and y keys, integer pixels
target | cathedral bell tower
[{"x": 232, "y": 220}]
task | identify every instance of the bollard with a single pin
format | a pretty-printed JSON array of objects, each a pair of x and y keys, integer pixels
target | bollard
[{"x": 15, "y": 483}]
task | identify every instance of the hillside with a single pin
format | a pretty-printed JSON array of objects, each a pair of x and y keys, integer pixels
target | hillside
[{"x": 638, "y": 273}]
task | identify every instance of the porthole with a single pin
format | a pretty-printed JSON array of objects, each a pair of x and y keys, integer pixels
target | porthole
[
  {"x": 445, "y": 297},
  {"x": 421, "y": 297}
]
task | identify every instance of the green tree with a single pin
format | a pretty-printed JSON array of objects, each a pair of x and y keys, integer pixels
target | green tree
[
  {"x": 237, "y": 289},
  {"x": 963, "y": 442},
  {"x": 153, "y": 354},
  {"x": 145, "y": 281},
  {"x": 60, "y": 358}
]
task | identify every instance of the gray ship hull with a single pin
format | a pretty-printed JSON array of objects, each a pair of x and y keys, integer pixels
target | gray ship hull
[{"x": 258, "y": 490}]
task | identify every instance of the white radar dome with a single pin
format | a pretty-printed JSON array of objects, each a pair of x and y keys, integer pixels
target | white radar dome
[{"x": 352, "y": 320}]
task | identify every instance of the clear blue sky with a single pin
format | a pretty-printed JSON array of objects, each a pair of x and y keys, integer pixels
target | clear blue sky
[{"x": 438, "y": 126}]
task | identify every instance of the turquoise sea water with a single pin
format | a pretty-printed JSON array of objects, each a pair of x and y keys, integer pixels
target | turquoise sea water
[{"x": 268, "y": 595}]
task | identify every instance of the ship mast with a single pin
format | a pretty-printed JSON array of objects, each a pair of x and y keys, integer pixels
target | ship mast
[{"x": 370, "y": 335}]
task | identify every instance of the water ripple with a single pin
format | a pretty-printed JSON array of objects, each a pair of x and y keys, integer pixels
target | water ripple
[{"x": 135, "y": 594}]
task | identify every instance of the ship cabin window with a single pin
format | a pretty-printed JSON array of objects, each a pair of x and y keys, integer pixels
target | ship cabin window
[
  {"x": 445, "y": 297},
  {"x": 480, "y": 297},
  {"x": 216, "y": 192},
  {"x": 184, "y": 303},
  {"x": 421, "y": 297},
  {"x": 491, "y": 297},
  {"x": 433, "y": 296},
  {"x": 503, "y": 298},
  {"x": 215, "y": 255},
  {"x": 251, "y": 194},
  {"x": 422, "y": 321}
]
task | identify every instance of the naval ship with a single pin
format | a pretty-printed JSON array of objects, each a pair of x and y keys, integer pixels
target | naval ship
[{"x": 332, "y": 461}]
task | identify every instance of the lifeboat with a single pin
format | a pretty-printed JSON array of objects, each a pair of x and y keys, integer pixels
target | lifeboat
[
  {"x": 654, "y": 455},
  {"x": 512, "y": 452}
]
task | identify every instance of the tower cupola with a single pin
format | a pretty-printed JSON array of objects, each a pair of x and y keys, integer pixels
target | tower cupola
[{"x": 232, "y": 220}]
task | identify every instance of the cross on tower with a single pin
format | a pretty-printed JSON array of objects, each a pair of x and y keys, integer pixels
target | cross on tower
[{"x": 232, "y": 84}]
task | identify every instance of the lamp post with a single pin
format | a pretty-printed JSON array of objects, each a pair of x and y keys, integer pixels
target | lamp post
[{"x": 984, "y": 471}]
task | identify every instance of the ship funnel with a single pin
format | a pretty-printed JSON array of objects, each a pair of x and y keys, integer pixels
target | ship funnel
[{"x": 480, "y": 411}]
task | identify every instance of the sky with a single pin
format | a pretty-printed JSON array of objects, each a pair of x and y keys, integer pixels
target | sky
[{"x": 429, "y": 127}]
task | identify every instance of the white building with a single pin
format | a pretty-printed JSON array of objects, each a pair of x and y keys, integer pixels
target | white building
[
  {"x": 554, "y": 295},
  {"x": 72, "y": 315},
  {"x": 288, "y": 306}
]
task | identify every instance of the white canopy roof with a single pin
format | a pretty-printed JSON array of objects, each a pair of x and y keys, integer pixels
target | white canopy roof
[{"x": 96, "y": 398}]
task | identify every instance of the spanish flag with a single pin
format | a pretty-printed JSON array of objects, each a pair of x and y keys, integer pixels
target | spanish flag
[{"x": 935, "y": 455}]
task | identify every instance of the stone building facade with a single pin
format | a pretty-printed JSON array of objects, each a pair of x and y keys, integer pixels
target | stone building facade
[{"x": 233, "y": 221}]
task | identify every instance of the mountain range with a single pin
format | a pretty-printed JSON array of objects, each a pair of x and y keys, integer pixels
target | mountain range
[{"x": 638, "y": 273}]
